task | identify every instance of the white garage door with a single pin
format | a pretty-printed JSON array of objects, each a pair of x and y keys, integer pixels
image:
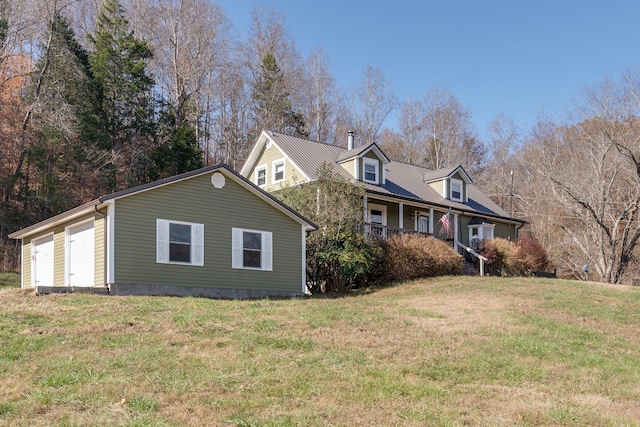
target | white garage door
[
  {"x": 81, "y": 255},
  {"x": 42, "y": 262}
]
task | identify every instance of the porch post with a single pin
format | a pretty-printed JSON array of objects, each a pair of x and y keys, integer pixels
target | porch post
[
  {"x": 431, "y": 220},
  {"x": 456, "y": 236},
  {"x": 401, "y": 212},
  {"x": 366, "y": 209}
]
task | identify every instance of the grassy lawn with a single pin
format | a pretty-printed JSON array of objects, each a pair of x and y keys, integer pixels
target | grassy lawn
[
  {"x": 9, "y": 280},
  {"x": 443, "y": 352}
]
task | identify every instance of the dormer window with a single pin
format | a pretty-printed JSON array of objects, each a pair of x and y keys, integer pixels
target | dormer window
[
  {"x": 370, "y": 170},
  {"x": 456, "y": 190}
]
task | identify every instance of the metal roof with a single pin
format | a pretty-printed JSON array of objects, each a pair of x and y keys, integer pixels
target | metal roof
[{"x": 403, "y": 180}]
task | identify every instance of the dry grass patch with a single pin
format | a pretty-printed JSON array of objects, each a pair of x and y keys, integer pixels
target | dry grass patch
[{"x": 449, "y": 351}]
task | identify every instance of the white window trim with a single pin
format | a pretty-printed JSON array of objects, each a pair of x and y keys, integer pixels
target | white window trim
[
  {"x": 163, "y": 244},
  {"x": 261, "y": 168},
  {"x": 485, "y": 231},
  {"x": 383, "y": 208},
  {"x": 273, "y": 170},
  {"x": 376, "y": 164},
  {"x": 237, "y": 248},
  {"x": 418, "y": 214},
  {"x": 459, "y": 182}
]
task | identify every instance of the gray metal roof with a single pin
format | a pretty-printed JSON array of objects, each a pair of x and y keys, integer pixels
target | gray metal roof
[{"x": 402, "y": 179}]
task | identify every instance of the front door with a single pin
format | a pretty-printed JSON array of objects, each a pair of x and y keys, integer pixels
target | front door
[
  {"x": 42, "y": 262},
  {"x": 81, "y": 255}
]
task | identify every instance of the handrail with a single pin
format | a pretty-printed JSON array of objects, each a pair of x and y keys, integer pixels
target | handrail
[
  {"x": 481, "y": 258},
  {"x": 383, "y": 231}
]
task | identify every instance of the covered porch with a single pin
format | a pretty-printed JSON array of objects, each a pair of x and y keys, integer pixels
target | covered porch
[{"x": 385, "y": 218}]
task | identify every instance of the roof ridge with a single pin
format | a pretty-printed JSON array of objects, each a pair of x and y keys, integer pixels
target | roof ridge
[{"x": 307, "y": 139}]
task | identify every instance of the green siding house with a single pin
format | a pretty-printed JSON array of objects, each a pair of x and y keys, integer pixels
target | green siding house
[
  {"x": 208, "y": 232},
  {"x": 400, "y": 198}
]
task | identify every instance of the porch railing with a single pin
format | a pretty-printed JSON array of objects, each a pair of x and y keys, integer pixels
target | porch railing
[{"x": 385, "y": 231}]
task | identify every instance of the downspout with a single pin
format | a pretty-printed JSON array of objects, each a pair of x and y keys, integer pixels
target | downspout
[{"x": 105, "y": 264}]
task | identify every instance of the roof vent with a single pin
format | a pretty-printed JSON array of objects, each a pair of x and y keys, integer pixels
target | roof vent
[{"x": 350, "y": 140}]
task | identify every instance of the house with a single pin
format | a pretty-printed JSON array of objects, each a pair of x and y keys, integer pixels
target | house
[
  {"x": 399, "y": 198},
  {"x": 209, "y": 232}
]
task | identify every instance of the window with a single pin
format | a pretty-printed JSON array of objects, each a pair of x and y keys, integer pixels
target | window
[
  {"x": 179, "y": 242},
  {"x": 261, "y": 176},
  {"x": 422, "y": 223},
  {"x": 252, "y": 249},
  {"x": 370, "y": 170},
  {"x": 278, "y": 170},
  {"x": 376, "y": 216},
  {"x": 479, "y": 231},
  {"x": 456, "y": 189},
  {"x": 377, "y": 219}
]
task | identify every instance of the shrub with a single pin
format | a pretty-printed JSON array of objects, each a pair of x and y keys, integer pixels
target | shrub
[
  {"x": 412, "y": 256},
  {"x": 338, "y": 262},
  {"x": 519, "y": 258},
  {"x": 532, "y": 253}
]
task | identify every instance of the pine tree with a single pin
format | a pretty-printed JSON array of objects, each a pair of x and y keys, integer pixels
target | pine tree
[
  {"x": 119, "y": 64},
  {"x": 66, "y": 127},
  {"x": 272, "y": 107},
  {"x": 178, "y": 152}
]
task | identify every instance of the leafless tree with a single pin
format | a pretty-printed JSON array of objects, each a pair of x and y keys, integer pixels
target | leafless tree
[
  {"x": 498, "y": 174},
  {"x": 592, "y": 172},
  {"x": 451, "y": 139},
  {"x": 320, "y": 97},
  {"x": 371, "y": 103}
]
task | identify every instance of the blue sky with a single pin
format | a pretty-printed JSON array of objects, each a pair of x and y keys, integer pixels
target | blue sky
[{"x": 514, "y": 57}]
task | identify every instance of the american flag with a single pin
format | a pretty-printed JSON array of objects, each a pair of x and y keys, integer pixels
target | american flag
[{"x": 446, "y": 227}]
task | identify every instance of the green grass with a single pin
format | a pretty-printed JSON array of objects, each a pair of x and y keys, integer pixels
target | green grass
[
  {"x": 443, "y": 352},
  {"x": 9, "y": 280}
]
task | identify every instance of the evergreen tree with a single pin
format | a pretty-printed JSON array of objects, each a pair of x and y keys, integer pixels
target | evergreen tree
[
  {"x": 65, "y": 128},
  {"x": 178, "y": 153},
  {"x": 119, "y": 64},
  {"x": 4, "y": 24},
  {"x": 272, "y": 107}
]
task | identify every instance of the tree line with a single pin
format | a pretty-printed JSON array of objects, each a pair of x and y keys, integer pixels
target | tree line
[{"x": 97, "y": 96}]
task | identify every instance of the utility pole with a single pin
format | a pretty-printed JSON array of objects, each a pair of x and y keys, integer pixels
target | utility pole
[{"x": 511, "y": 207}]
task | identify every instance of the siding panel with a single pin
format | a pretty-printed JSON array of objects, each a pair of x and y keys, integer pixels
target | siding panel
[
  {"x": 197, "y": 201},
  {"x": 292, "y": 175},
  {"x": 438, "y": 186},
  {"x": 26, "y": 263},
  {"x": 504, "y": 230}
]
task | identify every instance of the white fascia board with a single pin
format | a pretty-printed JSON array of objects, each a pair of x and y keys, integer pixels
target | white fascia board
[
  {"x": 463, "y": 173},
  {"x": 255, "y": 151},
  {"x": 291, "y": 161},
  {"x": 378, "y": 152},
  {"x": 63, "y": 219}
]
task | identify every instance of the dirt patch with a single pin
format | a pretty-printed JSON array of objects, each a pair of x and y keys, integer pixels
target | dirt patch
[{"x": 455, "y": 312}]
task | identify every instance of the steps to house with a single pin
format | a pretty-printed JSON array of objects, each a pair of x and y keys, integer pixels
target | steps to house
[{"x": 470, "y": 269}]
